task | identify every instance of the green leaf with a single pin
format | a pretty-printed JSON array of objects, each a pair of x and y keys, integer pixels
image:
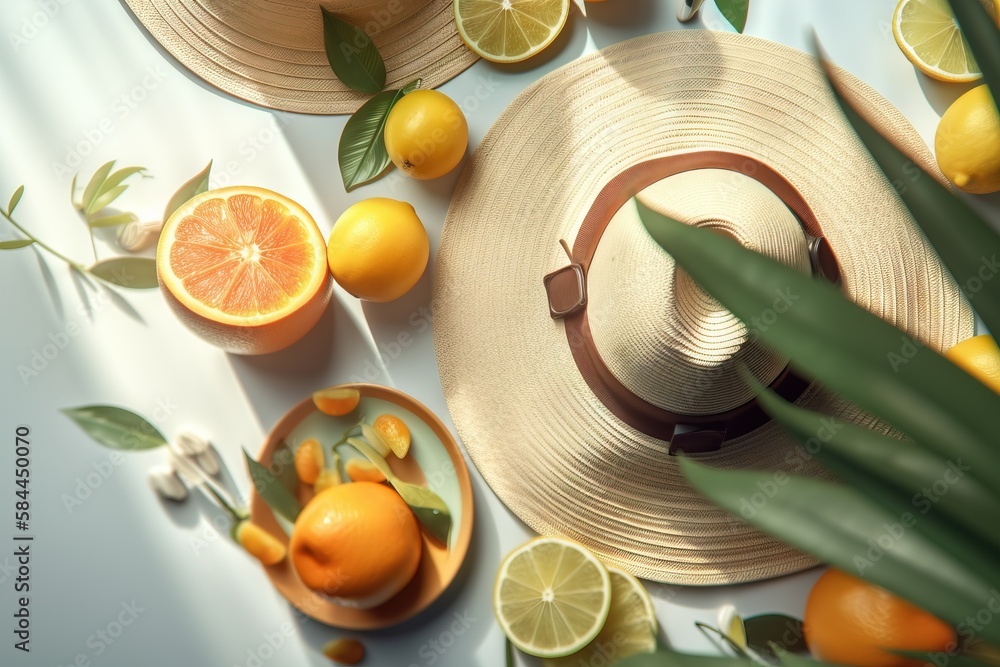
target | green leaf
[
  {"x": 103, "y": 199},
  {"x": 735, "y": 12},
  {"x": 72, "y": 192},
  {"x": 15, "y": 244},
  {"x": 966, "y": 243},
  {"x": 904, "y": 468},
  {"x": 843, "y": 346},
  {"x": 116, "y": 428},
  {"x": 14, "y": 200},
  {"x": 765, "y": 630},
  {"x": 94, "y": 186},
  {"x": 131, "y": 272},
  {"x": 272, "y": 491},
  {"x": 509, "y": 651},
  {"x": 194, "y": 186},
  {"x": 983, "y": 37},
  {"x": 352, "y": 55},
  {"x": 112, "y": 220},
  {"x": 284, "y": 459},
  {"x": 117, "y": 177},
  {"x": 426, "y": 505},
  {"x": 361, "y": 152},
  {"x": 958, "y": 660},
  {"x": 842, "y": 527}
]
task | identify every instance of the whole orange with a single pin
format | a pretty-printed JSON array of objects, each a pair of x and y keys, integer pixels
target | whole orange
[
  {"x": 851, "y": 622},
  {"x": 358, "y": 543}
]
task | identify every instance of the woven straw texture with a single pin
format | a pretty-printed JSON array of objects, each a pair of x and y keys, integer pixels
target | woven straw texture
[
  {"x": 549, "y": 449},
  {"x": 675, "y": 346},
  {"x": 271, "y": 52}
]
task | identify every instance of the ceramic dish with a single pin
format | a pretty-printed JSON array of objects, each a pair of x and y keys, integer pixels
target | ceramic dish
[{"x": 434, "y": 459}]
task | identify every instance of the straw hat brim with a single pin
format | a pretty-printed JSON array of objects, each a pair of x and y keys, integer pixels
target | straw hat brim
[
  {"x": 424, "y": 44},
  {"x": 552, "y": 452}
]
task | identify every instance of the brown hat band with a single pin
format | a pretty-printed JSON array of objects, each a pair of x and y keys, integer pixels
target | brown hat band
[{"x": 567, "y": 296}]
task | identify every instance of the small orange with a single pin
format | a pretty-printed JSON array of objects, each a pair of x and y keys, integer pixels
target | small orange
[
  {"x": 978, "y": 356},
  {"x": 308, "y": 461},
  {"x": 360, "y": 470},
  {"x": 851, "y": 622},
  {"x": 394, "y": 433},
  {"x": 259, "y": 543},
  {"x": 336, "y": 401},
  {"x": 358, "y": 543},
  {"x": 243, "y": 268}
]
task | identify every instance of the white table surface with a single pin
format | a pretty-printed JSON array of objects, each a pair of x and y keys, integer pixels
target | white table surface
[{"x": 73, "y": 78}]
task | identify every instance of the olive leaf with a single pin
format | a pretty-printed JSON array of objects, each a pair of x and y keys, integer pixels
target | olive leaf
[
  {"x": 15, "y": 244},
  {"x": 15, "y": 199},
  {"x": 352, "y": 54},
  {"x": 113, "y": 220},
  {"x": 735, "y": 12},
  {"x": 131, "y": 272},
  {"x": 115, "y": 427},
  {"x": 272, "y": 491},
  {"x": 94, "y": 185},
  {"x": 426, "y": 505},
  {"x": 193, "y": 186},
  {"x": 361, "y": 152}
]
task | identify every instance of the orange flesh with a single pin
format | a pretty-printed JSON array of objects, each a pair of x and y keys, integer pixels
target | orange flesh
[{"x": 244, "y": 255}]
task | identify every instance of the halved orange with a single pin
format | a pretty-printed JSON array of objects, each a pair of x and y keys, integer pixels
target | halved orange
[{"x": 245, "y": 268}]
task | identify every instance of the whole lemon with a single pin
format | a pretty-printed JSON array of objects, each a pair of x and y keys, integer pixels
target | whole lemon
[
  {"x": 378, "y": 249},
  {"x": 978, "y": 356},
  {"x": 968, "y": 142},
  {"x": 851, "y": 622},
  {"x": 426, "y": 134}
]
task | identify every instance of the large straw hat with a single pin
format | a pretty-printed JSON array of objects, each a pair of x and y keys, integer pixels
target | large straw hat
[
  {"x": 566, "y": 378},
  {"x": 270, "y": 52}
]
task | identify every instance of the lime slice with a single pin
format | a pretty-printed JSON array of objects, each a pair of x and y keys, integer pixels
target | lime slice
[
  {"x": 508, "y": 31},
  {"x": 630, "y": 628},
  {"x": 552, "y": 597},
  {"x": 928, "y": 34}
]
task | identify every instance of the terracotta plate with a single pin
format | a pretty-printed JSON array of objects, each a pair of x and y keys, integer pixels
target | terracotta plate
[{"x": 434, "y": 459}]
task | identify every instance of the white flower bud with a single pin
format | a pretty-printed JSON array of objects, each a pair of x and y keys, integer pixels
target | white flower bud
[
  {"x": 190, "y": 443},
  {"x": 165, "y": 481},
  {"x": 208, "y": 462},
  {"x": 135, "y": 236}
]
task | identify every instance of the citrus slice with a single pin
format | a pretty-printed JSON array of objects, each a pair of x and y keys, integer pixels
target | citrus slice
[
  {"x": 394, "y": 433},
  {"x": 629, "y": 630},
  {"x": 336, "y": 401},
  {"x": 551, "y": 597},
  {"x": 508, "y": 31},
  {"x": 928, "y": 34},
  {"x": 245, "y": 268}
]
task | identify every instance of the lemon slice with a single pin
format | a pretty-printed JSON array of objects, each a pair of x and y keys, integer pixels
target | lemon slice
[
  {"x": 551, "y": 597},
  {"x": 928, "y": 34},
  {"x": 630, "y": 628},
  {"x": 508, "y": 31}
]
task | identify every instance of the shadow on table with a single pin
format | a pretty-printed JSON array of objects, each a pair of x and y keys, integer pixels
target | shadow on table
[{"x": 942, "y": 95}]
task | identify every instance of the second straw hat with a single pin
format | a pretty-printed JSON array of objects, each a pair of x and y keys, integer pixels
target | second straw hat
[{"x": 271, "y": 53}]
